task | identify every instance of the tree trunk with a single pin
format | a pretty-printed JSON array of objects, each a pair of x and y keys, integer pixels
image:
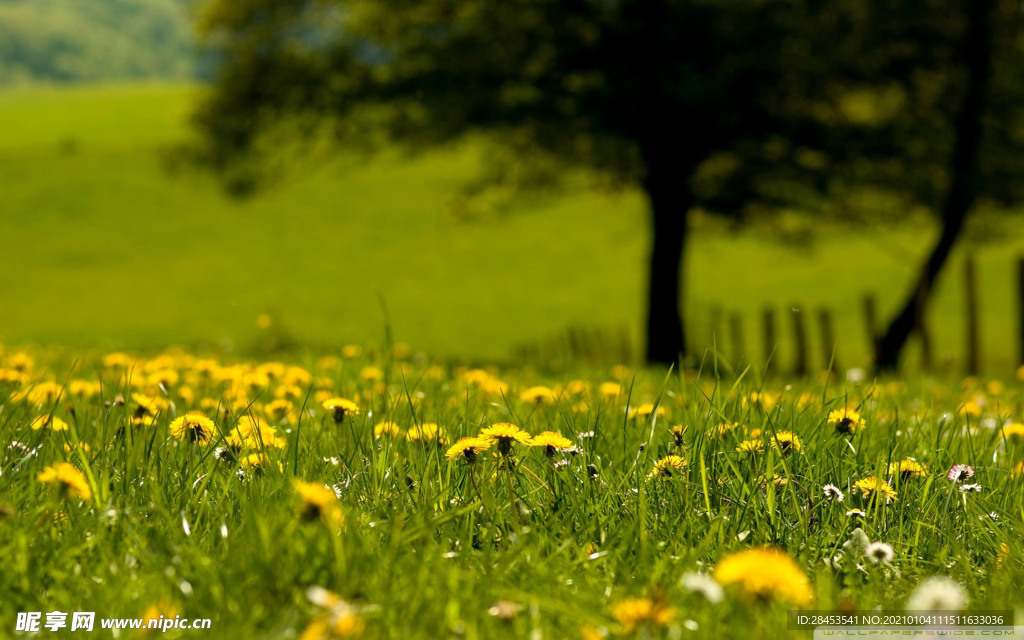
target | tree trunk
[
  {"x": 963, "y": 186},
  {"x": 668, "y": 189}
]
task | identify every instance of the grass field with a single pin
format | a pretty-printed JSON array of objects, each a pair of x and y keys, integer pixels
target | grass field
[
  {"x": 332, "y": 490},
  {"x": 103, "y": 247},
  {"x": 662, "y": 507}
]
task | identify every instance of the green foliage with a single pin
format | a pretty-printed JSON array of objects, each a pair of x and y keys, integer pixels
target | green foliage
[
  {"x": 88, "y": 40},
  {"x": 428, "y": 547}
]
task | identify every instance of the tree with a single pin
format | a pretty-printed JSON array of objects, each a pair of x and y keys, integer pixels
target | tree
[
  {"x": 967, "y": 175},
  {"x": 730, "y": 106}
]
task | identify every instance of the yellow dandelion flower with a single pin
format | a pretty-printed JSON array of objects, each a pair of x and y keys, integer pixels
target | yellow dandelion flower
[
  {"x": 1003, "y": 555},
  {"x": 387, "y": 429},
  {"x": 724, "y": 428},
  {"x": 610, "y": 389},
  {"x": 155, "y": 611},
  {"x": 44, "y": 393},
  {"x": 1013, "y": 431},
  {"x": 84, "y": 388},
  {"x": 669, "y": 467},
  {"x": 256, "y": 463},
  {"x": 538, "y": 395},
  {"x": 765, "y": 574},
  {"x": 872, "y": 488},
  {"x": 427, "y": 433},
  {"x": 318, "y": 502},
  {"x": 69, "y": 481},
  {"x": 252, "y": 433},
  {"x": 468, "y": 449},
  {"x": 636, "y": 613},
  {"x": 341, "y": 407},
  {"x": 678, "y": 431},
  {"x": 552, "y": 442},
  {"x": 646, "y": 410},
  {"x": 53, "y": 423},
  {"x": 845, "y": 421},
  {"x": 504, "y": 435},
  {"x": 280, "y": 410},
  {"x": 908, "y": 468},
  {"x": 786, "y": 442},
  {"x": 193, "y": 427},
  {"x": 751, "y": 446}
]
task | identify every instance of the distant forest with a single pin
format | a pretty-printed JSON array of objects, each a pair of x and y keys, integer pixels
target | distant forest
[{"x": 81, "y": 40}]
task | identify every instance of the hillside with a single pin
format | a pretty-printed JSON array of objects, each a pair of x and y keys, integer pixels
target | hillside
[{"x": 75, "y": 40}]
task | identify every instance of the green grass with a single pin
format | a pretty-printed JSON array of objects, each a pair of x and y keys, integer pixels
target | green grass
[
  {"x": 103, "y": 247},
  {"x": 426, "y": 550}
]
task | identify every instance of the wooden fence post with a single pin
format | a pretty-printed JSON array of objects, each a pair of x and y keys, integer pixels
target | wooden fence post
[
  {"x": 736, "y": 331},
  {"x": 973, "y": 341},
  {"x": 871, "y": 324},
  {"x": 1020, "y": 297},
  {"x": 829, "y": 349},
  {"x": 799, "y": 342},
  {"x": 770, "y": 354}
]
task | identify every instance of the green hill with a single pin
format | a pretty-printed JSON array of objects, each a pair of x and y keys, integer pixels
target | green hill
[
  {"x": 73, "y": 40},
  {"x": 89, "y": 211}
]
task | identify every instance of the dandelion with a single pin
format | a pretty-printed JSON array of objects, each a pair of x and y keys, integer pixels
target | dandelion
[
  {"x": 872, "y": 488},
  {"x": 677, "y": 435},
  {"x": 646, "y": 410},
  {"x": 340, "y": 407},
  {"x": 845, "y": 421},
  {"x": 338, "y": 620},
  {"x": 765, "y": 574},
  {"x": 668, "y": 467},
  {"x": 1013, "y": 431},
  {"x": 255, "y": 464},
  {"x": 724, "y": 428},
  {"x": 426, "y": 432},
  {"x": 318, "y": 502},
  {"x": 750, "y": 446},
  {"x": 157, "y": 613},
  {"x": 69, "y": 481},
  {"x": 610, "y": 389},
  {"x": 538, "y": 395},
  {"x": 468, "y": 449},
  {"x": 880, "y": 552},
  {"x": 833, "y": 493},
  {"x": 635, "y": 613},
  {"x": 193, "y": 427},
  {"x": 504, "y": 435},
  {"x": 1003, "y": 555},
  {"x": 908, "y": 468},
  {"x": 937, "y": 594},
  {"x": 552, "y": 442},
  {"x": 960, "y": 472},
  {"x": 786, "y": 441},
  {"x": 389, "y": 429},
  {"x": 703, "y": 584},
  {"x": 253, "y": 433},
  {"x": 147, "y": 408},
  {"x": 53, "y": 423}
]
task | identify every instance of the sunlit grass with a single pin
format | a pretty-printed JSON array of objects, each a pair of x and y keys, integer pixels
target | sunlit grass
[{"x": 600, "y": 539}]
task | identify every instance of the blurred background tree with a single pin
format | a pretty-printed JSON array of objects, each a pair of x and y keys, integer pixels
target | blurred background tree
[{"x": 731, "y": 108}]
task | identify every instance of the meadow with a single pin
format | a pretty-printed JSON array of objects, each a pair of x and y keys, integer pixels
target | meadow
[
  {"x": 94, "y": 227},
  {"x": 210, "y": 408},
  {"x": 385, "y": 494}
]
